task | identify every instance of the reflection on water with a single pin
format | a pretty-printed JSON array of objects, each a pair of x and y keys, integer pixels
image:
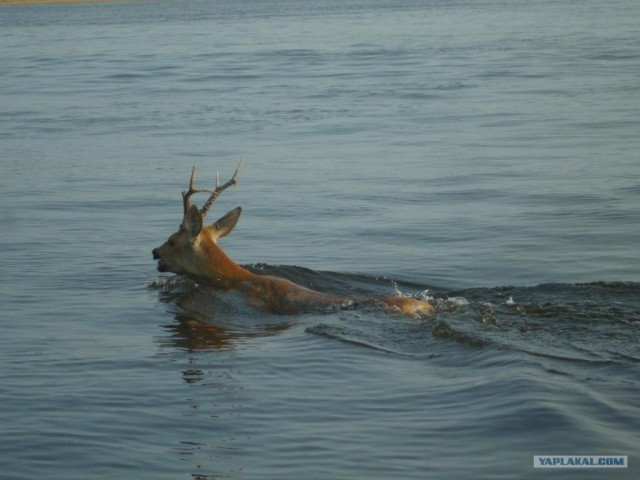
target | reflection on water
[
  {"x": 211, "y": 320},
  {"x": 191, "y": 334}
]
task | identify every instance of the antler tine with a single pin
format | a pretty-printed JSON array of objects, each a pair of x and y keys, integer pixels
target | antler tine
[
  {"x": 186, "y": 195},
  {"x": 221, "y": 188}
]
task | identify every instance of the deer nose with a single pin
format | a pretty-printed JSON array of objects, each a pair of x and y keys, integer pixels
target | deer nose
[{"x": 156, "y": 255}]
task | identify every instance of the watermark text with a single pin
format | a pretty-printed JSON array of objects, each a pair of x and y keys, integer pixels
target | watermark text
[{"x": 580, "y": 461}]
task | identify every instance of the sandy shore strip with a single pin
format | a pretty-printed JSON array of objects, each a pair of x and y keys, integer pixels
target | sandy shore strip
[{"x": 35, "y": 2}]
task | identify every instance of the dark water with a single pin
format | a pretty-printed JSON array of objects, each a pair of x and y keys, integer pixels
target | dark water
[{"x": 479, "y": 154}]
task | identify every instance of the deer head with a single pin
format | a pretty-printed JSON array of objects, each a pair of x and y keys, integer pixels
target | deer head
[{"x": 193, "y": 248}]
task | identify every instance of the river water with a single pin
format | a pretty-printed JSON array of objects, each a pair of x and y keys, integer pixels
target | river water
[{"x": 479, "y": 154}]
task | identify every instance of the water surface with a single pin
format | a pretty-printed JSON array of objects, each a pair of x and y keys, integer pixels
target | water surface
[{"x": 480, "y": 154}]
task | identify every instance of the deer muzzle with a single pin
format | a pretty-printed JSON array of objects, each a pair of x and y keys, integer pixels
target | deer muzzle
[{"x": 162, "y": 267}]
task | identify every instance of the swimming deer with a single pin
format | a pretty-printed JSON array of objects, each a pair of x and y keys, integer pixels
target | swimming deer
[{"x": 193, "y": 250}]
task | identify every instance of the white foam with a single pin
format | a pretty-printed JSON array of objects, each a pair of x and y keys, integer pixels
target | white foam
[{"x": 458, "y": 301}]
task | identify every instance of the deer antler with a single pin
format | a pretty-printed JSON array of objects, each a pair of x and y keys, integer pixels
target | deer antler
[
  {"x": 214, "y": 193},
  {"x": 219, "y": 189},
  {"x": 186, "y": 195}
]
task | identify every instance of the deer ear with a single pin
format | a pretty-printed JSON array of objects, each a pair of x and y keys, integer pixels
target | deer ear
[
  {"x": 225, "y": 224},
  {"x": 193, "y": 221}
]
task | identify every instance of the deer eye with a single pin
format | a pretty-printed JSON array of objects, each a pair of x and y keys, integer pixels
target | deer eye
[{"x": 172, "y": 243}]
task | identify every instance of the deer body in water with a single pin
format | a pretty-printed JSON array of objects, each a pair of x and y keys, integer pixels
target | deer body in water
[{"x": 193, "y": 250}]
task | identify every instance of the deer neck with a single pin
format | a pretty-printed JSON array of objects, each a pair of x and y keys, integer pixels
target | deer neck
[{"x": 218, "y": 270}]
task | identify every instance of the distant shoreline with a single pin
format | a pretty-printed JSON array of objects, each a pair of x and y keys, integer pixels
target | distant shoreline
[{"x": 35, "y": 2}]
